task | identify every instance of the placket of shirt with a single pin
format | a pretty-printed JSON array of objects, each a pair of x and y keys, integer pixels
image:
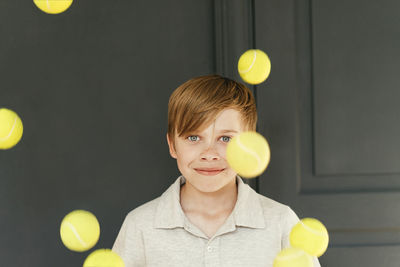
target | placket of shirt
[
  {"x": 212, "y": 252},
  {"x": 211, "y": 246},
  {"x": 212, "y": 249}
]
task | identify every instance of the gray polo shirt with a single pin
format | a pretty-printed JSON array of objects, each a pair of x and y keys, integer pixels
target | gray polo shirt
[{"x": 158, "y": 233}]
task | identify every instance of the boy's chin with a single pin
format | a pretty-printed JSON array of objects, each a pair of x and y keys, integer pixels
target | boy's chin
[{"x": 208, "y": 184}]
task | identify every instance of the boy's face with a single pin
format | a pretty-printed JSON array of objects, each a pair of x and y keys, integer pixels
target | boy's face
[{"x": 206, "y": 149}]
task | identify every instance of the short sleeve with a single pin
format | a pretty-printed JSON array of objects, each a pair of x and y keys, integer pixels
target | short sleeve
[
  {"x": 129, "y": 244},
  {"x": 290, "y": 219}
]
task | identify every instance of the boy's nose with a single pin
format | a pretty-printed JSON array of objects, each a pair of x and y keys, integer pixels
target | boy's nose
[
  {"x": 210, "y": 157},
  {"x": 210, "y": 154}
]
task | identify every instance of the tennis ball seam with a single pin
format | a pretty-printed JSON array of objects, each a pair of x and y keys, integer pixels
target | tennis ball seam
[
  {"x": 251, "y": 152},
  {"x": 251, "y": 65},
  {"x": 11, "y": 131},
  {"x": 75, "y": 232},
  {"x": 308, "y": 228}
]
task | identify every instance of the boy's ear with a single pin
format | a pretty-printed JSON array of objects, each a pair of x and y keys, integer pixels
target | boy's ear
[{"x": 171, "y": 148}]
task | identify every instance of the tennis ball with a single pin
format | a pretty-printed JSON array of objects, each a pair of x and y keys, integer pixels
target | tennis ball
[
  {"x": 53, "y": 6},
  {"x": 248, "y": 154},
  {"x": 254, "y": 66},
  {"x": 103, "y": 258},
  {"x": 10, "y": 128},
  {"x": 80, "y": 230},
  {"x": 292, "y": 257},
  {"x": 310, "y": 235}
]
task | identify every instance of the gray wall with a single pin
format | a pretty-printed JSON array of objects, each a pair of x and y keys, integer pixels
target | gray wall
[{"x": 92, "y": 86}]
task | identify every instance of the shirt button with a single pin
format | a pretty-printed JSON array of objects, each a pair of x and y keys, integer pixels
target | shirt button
[{"x": 209, "y": 249}]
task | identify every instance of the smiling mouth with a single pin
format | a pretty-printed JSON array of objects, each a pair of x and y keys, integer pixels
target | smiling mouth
[{"x": 209, "y": 172}]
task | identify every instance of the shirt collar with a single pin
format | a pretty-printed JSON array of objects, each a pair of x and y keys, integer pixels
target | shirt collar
[{"x": 247, "y": 211}]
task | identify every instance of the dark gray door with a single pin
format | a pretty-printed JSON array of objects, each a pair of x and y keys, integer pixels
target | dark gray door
[{"x": 331, "y": 112}]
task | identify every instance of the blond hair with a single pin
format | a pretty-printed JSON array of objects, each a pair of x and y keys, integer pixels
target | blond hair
[{"x": 197, "y": 102}]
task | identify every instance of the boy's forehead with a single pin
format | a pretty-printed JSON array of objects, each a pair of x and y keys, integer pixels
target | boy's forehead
[
  {"x": 227, "y": 120},
  {"x": 230, "y": 115}
]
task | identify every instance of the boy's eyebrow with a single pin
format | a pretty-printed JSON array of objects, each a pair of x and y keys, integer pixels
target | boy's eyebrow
[
  {"x": 221, "y": 131},
  {"x": 228, "y": 131}
]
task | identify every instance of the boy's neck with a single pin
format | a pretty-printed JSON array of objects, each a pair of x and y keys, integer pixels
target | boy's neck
[{"x": 211, "y": 205}]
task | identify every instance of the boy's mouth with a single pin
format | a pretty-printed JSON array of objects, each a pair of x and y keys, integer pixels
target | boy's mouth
[{"x": 209, "y": 171}]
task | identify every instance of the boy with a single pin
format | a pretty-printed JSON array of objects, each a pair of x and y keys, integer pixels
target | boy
[{"x": 209, "y": 216}]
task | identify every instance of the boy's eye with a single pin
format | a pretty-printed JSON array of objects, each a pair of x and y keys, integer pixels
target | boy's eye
[
  {"x": 227, "y": 138},
  {"x": 193, "y": 138}
]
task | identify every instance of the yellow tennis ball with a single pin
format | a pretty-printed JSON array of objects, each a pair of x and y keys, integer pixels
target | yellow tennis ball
[
  {"x": 254, "y": 66},
  {"x": 310, "y": 235},
  {"x": 103, "y": 258},
  {"x": 248, "y": 154},
  {"x": 53, "y": 6},
  {"x": 292, "y": 257},
  {"x": 10, "y": 128},
  {"x": 80, "y": 230}
]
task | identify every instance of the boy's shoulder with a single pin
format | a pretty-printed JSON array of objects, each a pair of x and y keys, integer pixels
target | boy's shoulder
[
  {"x": 273, "y": 208},
  {"x": 144, "y": 214},
  {"x": 270, "y": 203}
]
